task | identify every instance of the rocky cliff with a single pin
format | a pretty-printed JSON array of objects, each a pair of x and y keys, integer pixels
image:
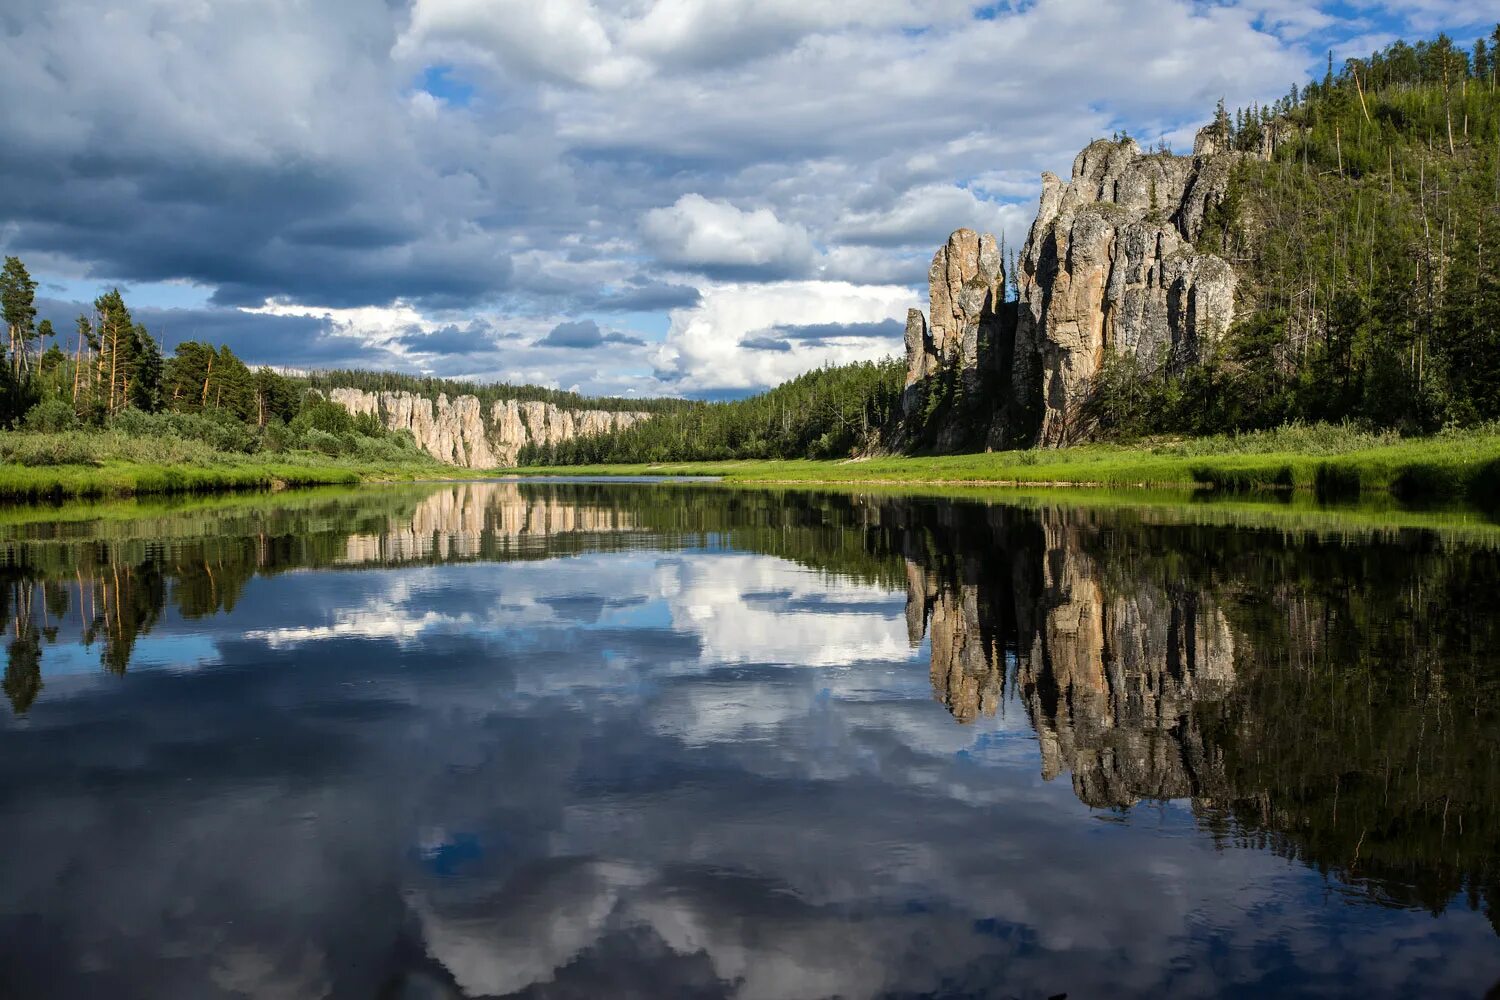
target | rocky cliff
[
  {"x": 1111, "y": 263},
  {"x": 460, "y": 432}
]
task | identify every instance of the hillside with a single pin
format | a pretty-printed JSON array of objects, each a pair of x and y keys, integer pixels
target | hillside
[{"x": 1330, "y": 257}]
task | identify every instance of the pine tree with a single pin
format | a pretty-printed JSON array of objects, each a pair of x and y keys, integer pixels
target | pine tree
[
  {"x": 144, "y": 383},
  {"x": 18, "y": 298},
  {"x": 116, "y": 355}
]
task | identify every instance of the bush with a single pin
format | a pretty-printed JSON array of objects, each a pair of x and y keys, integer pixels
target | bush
[
  {"x": 51, "y": 415},
  {"x": 276, "y": 436},
  {"x": 219, "y": 429},
  {"x": 49, "y": 449},
  {"x": 321, "y": 415},
  {"x": 321, "y": 441}
]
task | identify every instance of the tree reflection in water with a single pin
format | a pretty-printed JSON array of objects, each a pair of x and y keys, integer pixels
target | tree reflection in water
[{"x": 1332, "y": 697}]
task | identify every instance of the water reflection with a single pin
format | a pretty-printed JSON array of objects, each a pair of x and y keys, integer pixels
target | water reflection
[{"x": 573, "y": 739}]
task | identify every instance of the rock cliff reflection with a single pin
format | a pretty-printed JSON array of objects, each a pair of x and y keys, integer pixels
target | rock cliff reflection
[{"x": 572, "y": 739}]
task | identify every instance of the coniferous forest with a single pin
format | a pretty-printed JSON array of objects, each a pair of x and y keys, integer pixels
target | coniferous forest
[{"x": 1368, "y": 249}]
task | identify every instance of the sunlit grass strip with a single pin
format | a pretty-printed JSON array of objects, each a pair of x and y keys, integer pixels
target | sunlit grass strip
[
  {"x": 22, "y": 483},
  {"x": 1449, "y": 467}
]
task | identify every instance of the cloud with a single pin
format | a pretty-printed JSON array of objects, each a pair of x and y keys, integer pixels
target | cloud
[
  {"x": 715, "y": 237},
  {"x": 766, "y": 344},
  {"x": 731, "y": 340},
  {"x": 822, "y": 333},
  {"x": 925, "y": 216},
  {"x": 648, "y": 296},
  {"x": 293, "y": 341},
  {"x": 527, "y": 164},
  {"x": 584, "y": 334},
  {"x": 564, "y": 41},
  {"x": 474, "y": 338}
]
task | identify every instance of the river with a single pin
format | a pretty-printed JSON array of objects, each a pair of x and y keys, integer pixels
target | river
[{"x": 574, "y": 739}]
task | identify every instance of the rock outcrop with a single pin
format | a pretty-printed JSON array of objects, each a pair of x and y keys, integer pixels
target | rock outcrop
[
  {"x": 1111, "y": 263},
  {"x": 968, "y": 331},
  {"x": 459, "y": 432}
]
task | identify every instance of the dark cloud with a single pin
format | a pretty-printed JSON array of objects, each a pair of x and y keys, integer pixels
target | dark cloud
[
  {"x": 475, "y": 338},
  {"x": 257, "y": 338},
  {"x": 584, "y": 333},
  {"x": 650, "y": 296},
  {"x": 821, "y": 333},
  {"x": 766, "y": 344}
]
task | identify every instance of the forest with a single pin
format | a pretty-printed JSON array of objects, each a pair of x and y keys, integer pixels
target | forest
[
  {"x": 108, "y": 374},
  {"x": 1367, "y": 252},
  {"x": 829, "y": 412}
]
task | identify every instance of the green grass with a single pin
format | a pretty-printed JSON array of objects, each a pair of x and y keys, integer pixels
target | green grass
[
  {"x": 1327, "y": 462},
  {"x": 43, "y": 466}
]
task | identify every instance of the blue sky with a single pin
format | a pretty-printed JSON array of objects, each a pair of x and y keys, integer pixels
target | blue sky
[{"x": 440, "y": 185}]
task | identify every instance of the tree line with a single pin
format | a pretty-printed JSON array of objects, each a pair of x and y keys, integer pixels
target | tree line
[
  {"x": 111, "y": 374},
  {"x": 825, "y": 413}
]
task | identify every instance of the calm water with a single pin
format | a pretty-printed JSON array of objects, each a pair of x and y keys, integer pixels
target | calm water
[{"x": 576, "y": 740}]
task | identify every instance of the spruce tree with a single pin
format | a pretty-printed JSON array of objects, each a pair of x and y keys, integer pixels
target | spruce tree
[{"x": 18, "y": 298}]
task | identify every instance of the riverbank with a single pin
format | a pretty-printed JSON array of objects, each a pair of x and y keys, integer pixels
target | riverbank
[
  {"x": 41, "y": 466},
  {"x": 1326, "y": 462}
]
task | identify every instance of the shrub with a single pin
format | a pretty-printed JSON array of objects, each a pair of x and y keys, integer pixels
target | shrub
[
  {"x": 317, "y": 440},
  {"x": 276, "y": 436},
  {"x": 51, "y": 415},
  {"x": 49, "y": 449},
  {"x": 219, "y": 429},
  {"x": 321, "y": 415}
]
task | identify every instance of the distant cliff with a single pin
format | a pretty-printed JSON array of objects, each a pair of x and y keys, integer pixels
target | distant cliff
[
  {"x": 460, "y": 431},
  {"x": 1111, "y": 263}
]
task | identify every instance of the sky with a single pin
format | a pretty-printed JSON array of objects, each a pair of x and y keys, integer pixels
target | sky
[{"x": 622, "y": 197}]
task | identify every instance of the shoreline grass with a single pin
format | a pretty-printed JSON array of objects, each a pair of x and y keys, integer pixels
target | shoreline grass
[
  {"x": 50, "y": 467},
  {"x": 1328, "y": 463},
  {"x": 1453, "y": 466}
]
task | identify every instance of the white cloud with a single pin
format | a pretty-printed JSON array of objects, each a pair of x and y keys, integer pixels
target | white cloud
[
  {"x": 704, "y": 348},
  {"x": 926, "y": 215},
  {"x": 294, "y": 151},
  {"x": 560, "y": 40},
  {"x": 698, "y": 233}
]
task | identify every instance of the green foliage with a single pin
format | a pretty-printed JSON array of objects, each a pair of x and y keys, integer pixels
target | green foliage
[
  {"x": 1366, "y": 248},
  {"x": 826, "y": 413},
  {"x": 319, "y": 414},
  {"x": 48, "y": 449},
  {"x": 51, "y": 415},
  {"x": 201, "y": 378},
  {"x": 18, "y": 305},
  {"x": 219, "y": 429}
]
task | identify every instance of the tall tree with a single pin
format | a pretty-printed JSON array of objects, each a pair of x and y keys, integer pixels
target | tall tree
[
  {"x": 144, "y": 384},
  {"x": 18, "y": 298}
]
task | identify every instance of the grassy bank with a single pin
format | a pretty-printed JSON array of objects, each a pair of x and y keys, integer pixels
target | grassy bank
[
  {"x": 52, "y": 466},
  {"x": 1327, "y": 462}
]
